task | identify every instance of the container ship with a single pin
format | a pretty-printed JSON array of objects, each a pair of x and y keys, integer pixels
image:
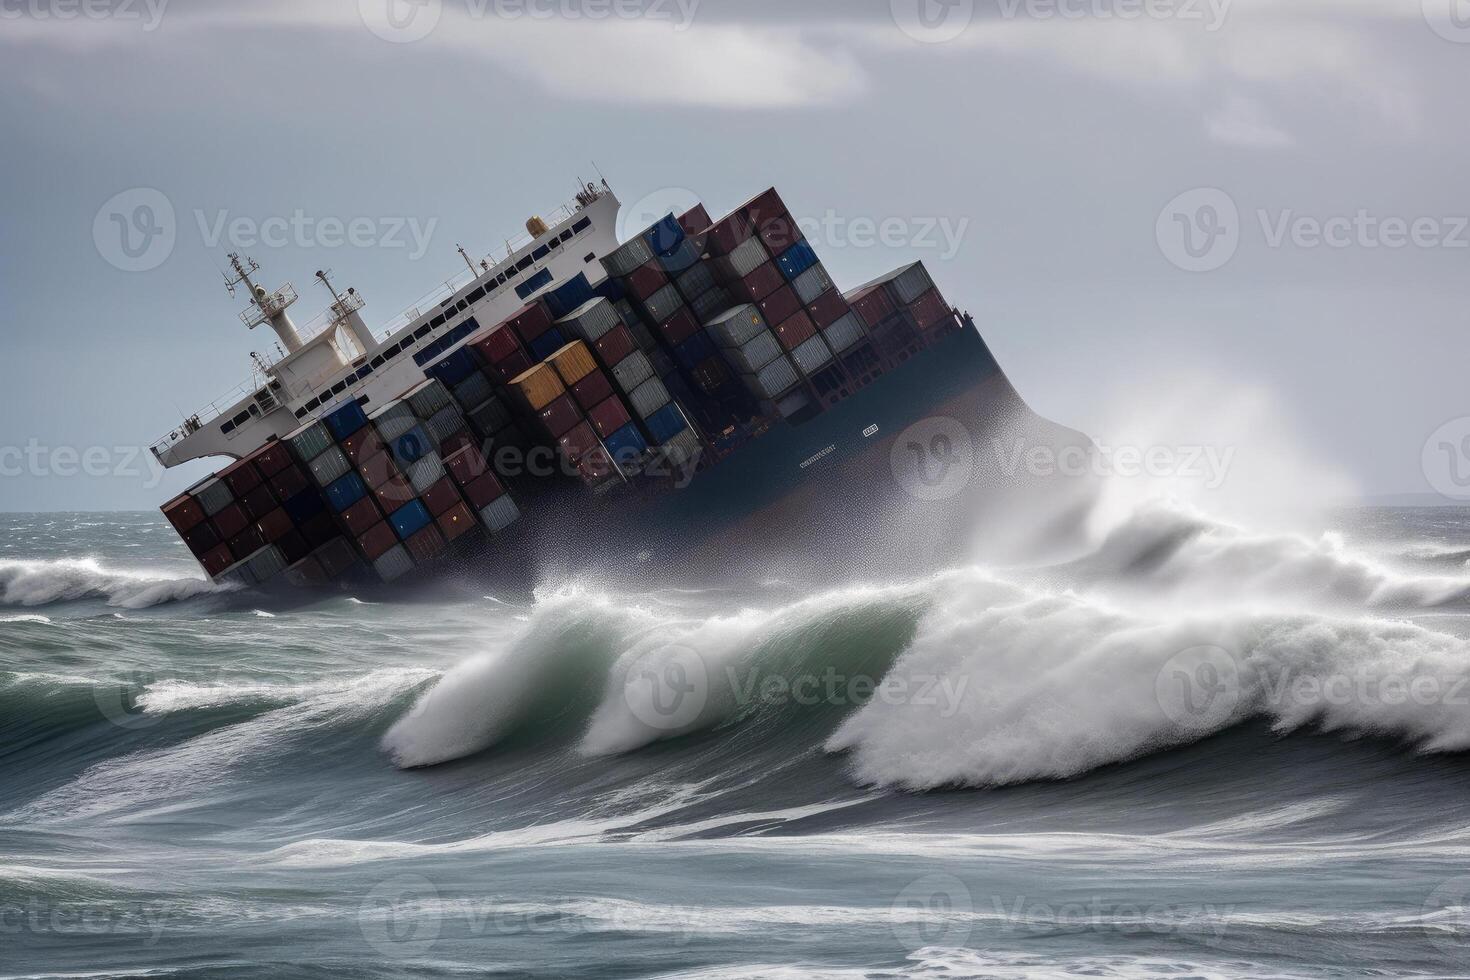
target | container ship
[{"x": 692, "y": 398}]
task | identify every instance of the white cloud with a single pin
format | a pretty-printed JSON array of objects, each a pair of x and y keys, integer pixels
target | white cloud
[{"x": 1243, "y": 122}]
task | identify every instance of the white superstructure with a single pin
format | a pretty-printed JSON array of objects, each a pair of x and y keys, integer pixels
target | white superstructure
[{"x": 336, "y": 356}]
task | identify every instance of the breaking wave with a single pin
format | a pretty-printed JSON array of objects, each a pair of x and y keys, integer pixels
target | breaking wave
[{"x": 31, "y": 583}]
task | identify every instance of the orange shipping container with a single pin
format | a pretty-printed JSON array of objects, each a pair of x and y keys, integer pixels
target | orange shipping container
[
  {"x": 573, "y": 362},
  {"x": 540, "y": 386}
]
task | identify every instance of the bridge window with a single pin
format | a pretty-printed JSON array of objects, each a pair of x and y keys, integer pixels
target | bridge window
[{"x": 582, "y": 225}]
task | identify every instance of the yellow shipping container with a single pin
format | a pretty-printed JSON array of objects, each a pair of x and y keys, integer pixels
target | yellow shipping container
[
  {"x": 573, "y": 362},
  {"x": 540, "y": 386}
]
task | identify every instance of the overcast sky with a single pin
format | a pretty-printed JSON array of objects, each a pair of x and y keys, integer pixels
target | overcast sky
[{"x": 1145, "y": 204}]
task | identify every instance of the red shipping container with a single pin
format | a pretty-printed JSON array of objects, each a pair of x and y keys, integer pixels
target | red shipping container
[
  {"x": 679, "y": 327},
  {"x": 201, "y": 539},
  {"x": 592, "y": 390},
  {"x": 336, "y": 557},
  {"x": 216, "y": 560},
  {"x": 483, "y": 492},
  {"x": 530, "y": 321},
  {"x": 293, "y": 546},
  {"x": 764, "y": 206},
  {"x": 615, "y": 345},
  {"x": 495, "y": 344},
  {"x": 579, "y": 441},
  {"x": 241, "y": 477},
  {"x": 796, "y": 331},
  {"x": 609, "y": 417},
  {"x": 184, "y": 513},
  {"x": 319, "y": 530},
  {"x": 361, "y": 515},
  {"x": 377, "y": 541},
  {"x": 726, "y": 234},
  {"x": 363, "y": 444},
  {"x": 646, "y": 280},
  {"x": 271, "y": 459},
  {"x": 872, "y": 306},
  {"x": 455, "y": 443},
  {"x": 827, "y": 309},
  {"x": 695, "y": 220},
  {"x": 456, "y": 522},
  {"x": 426, "y": 545},
  {"x": 246, "y": 543},
  {"x": 231, "y": 521},
  {"x": 596, "y": 466},
  {"x": 288, "y": 483},
  {"x": 393, "y": 494},
  {"x": 378, "y": 470},
  {"x": 441, "y": 496},
  {"x": 930, "y": 310},
  {"x": 513, "y": 366},
  {"x": 559, "y": 416},
  {"x": 467, "y": 465},
  {"x": 275, "y": 525},
  {"x": 781, "y": 305},
  {"x": 758, "y": 285},
  {"x": 258, "y": 502}
]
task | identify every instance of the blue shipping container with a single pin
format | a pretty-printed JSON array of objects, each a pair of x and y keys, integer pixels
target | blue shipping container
[
  {"x": 569, "y": 295},
  {"x": 410, "y": 519},
  {"x": 411, "y": 447},
  {"x": 456, "y": 367},
  {"x": 681, "y": 259},
  {"x": 346, "y": 492},
  {"x": 666, "y": 423},
  {"x": 547, "y": 344},
  {"x": 796, "y": 260},
  {"x": 304, "y": 506},
  {"x": 695, "y": 351},
  {"x": 665, "y": 237},
  {"x": 610, "y": 289},
  {"x": 345, "y": 419},
  {"x": 626, "y": 444}
]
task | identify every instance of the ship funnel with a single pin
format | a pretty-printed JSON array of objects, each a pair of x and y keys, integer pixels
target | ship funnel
[{"x": 536, "y": 227}]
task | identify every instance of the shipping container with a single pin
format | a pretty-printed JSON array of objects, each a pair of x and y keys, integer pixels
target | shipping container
[
  {"x": 569, "y": 295},
  {"x": 473, "y": 390},
  {"x": 410, "y": 519},
  {"x": 872, "y": 305},
  {"x": 696, "y": 281},
  {"x": 695, "y": 221},
  {"x": 490, "y": 417},
  {"x": 258, "y": 502},
  {"x": 685, "y": 256},
  {"x": 213, "y": 495},
  {"x": 231, "y": 521},
  {"x": 289, "y": 482},
  {"x": 455, "y": 522},
  {"x": 345, "y": 419},
  {"x": 217, "y": 560},
  {"x": 626, "y": 445},
  {"x": 711, "y": 303},
  {"x": 846, "y": 332},
  {"x": 679, "y": 327},
  {"x": 410, "y": 447},
  {"x": 392, "y": 493},
  {"x": 184, "y": 513},
  {"x": 758, "y": 285},
  {"x": 694, "y": 351},
  {"x": 495, "y": 344},
  {"x": 615, "y": 345},
  {"x": 393, "y": 564},
  {"x": 241, "y": 477},
  {"x": 427, "y": 545},
  {"x": 394, "y": 419},
  {"x": 591, "y": 320},
  {"x": 592, "y": 390},
  {"x": 345, "y": 492},
  {"x": 611, "y": 415},
  {"x": 573, "y": 362},
  {"x": 779, "y": 233},
  {"x": 711, "y": 376},
  {"x": 319, "y": 529},
  {"x": 775, "y": 379},
  {"x": 632, "y": 371},
  {"x": 684, "y": 449},
  {"x": 467, "y": 465},
  {"x": 336, "y": 558},
  {"x": 361, "y": 516},
  {"x": 632, "y": 254},
  {"x": 307, "y": 573},
  {"x": 578, "y": 441},
  {"x": 426, "y": 472},
  {"x": 539, "y": 387},
  {"x": 744, "y": 260},
  {"x": 930, "y": 310},
  {"x": 271, "y": 458},
  {"x": 759, "y": 351},
  {"x": 265, "y": 565},
  {"x": 812, "y": 283},
  {"x": 309, "y": 441},
  {"x": 329, "y": 467},
  {"x": 666, "y": 423},
  {"x": 500, "y": 515},
  {"x": 483, "y": 491},
  {"x": 736, "y": 327},
  {"x": 305, "y": 505},
  {"x": 764, "y": 206},
  {"x": 530, "y": 321},
  {"x": 445, "y": 425},
  {"x": 440, "y": 497},
  {"x": 780, "y": 306},
  {"x": 547, "y": 344},
  {"x": 646, "y": 280},
  {"x": 363, "y": 444},
  {"x": 812, "y": 356},
  {"x": 559, "y": 415},
  {"x": 663, "y": 304},
  {"x": 247, "y": 543},
  {"x": 827, "y": 309},
  {"x": 293, "y": 546},
  {"x": 796, "y": 260},
  {"x": 796, "y": 330},
  {"x": 275, "y": 525},
  {"x": 201, "y": 539},
  {"x": 726, "y": 234},
  {"x": 665, "y": 235},
  {"x": 911, "y": 282},
  {"x": 375, "y": 542},
  {"x": 431, "y": 397},
  {"x": 513, "y": 366}
]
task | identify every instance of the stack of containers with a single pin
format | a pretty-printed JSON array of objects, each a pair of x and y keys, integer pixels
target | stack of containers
[
  {"x": 754, "y": 352},
  {"x": 484, "y": 404},
  {"x": 606, "y": 420},
  {"x": 536, "y": 328},
  {"x": 560, "y": 418},
  {"x": 893, "y": 336}
]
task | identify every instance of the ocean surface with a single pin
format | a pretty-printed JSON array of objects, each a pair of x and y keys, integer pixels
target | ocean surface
[{"x": 1198, "y": 749}]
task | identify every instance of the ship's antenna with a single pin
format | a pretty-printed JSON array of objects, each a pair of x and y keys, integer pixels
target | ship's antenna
[
  {"x": 466, "y": 256},
  {"x": 243, "y": 269},
  {"x": 321, "y": 276}
]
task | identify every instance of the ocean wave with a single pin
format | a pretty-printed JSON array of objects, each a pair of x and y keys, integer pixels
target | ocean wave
[{"x": 43, "y": 582}]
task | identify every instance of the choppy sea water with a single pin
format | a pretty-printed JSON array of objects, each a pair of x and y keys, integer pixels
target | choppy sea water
[{"x": 1198, "y": 750}]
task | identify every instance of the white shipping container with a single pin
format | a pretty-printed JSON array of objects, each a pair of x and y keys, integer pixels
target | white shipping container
[
  {"x": 500, "y": 515},
  {"x": 812, "y": 283},
  {"x": 845, "y": 333},
  {"x": 429, "y": 398},
  {"x": 590, "y": 320},
  {"x": 310, "y": 442},
  {"x": 632, "y": 371},
  {"x": 748, "y": 257},
  {"x": 214, "y": 495},
  {"x": 684, "y": 449},
  {"x": 812, "y": 355},
  {"x": 428, "y": 471},
  {"x": 737, "y": 327},
  {"x": 628, "y": 257},
  {"x": 394, "y": 564},
  {"x": 649, "y": 397},
  {"x": 444, "y": 425},
  {"x": 266, "y": 564},
  {"x": 664, "y": 303},
  {"x": 393, "y": 420},
  {"x": 912, "y": 283},
  {"x": 775, "y": 379},
  {"x": 697, "y": 281},
  {"x": 329, "y": 467},
  {"x": 756, "y": 354}
]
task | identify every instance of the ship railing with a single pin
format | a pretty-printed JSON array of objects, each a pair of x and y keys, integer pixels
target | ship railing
[
  {"x": 198, "y": 420},
  {"x": 268, "y": 306}
]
